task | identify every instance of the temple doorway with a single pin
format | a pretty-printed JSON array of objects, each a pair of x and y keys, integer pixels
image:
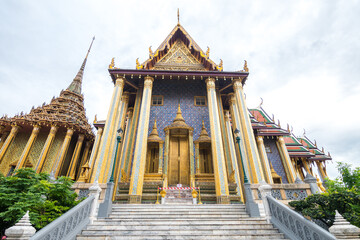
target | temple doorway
[{"x": 179, "y": 164}]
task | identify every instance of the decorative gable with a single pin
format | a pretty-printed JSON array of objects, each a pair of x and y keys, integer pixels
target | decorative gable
[{"x": 180, "y": 58}]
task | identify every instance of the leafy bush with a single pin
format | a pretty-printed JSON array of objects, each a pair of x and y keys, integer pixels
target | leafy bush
[
  {"x": 45, "y": 199},
  {"x": 343, "y": 194}
]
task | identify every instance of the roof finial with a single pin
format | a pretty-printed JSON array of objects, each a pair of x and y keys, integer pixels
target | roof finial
[
  {"x": 246, "y": 69},
  {"x": 75, "y": 86},
  {"x": 261, "y": 103},
  {"x": 178, "y": 15}
]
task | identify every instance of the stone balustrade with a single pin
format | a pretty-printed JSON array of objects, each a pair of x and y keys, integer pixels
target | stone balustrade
[
  {"x": 292, "y": 224},
  {"x": 284, "y": 192}
]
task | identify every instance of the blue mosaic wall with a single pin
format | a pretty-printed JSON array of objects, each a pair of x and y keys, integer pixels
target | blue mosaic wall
[
  {"x": 173, "y": 92},
  {"x": 275, "y": 159}
]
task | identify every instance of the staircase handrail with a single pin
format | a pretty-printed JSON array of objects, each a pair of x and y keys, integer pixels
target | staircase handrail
[
  {"x": 294, "y": 225},
  {"x": 68, "y": 225}
]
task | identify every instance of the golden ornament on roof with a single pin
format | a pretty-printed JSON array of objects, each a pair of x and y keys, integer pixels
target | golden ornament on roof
[
  {"x": 220, "y": 66},
  {"x": 207, "y": 52},
  {"x": 246, "y": 69},
  {"x": 138, "y": 65},
  {"x": 112, "y": 64},
  {"x": 151, "y": 54}
]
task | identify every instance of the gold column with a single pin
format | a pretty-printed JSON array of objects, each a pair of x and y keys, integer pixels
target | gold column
[
  {"x": 108, "y": 139},
  {"x": 299, "y": 169},
  {"x": 75, "y": 157},
  {"x": 3, "y": 138},
  {"x": 55, "y": 171},
  {"x": 236, "y": 123},
  {"x": 197, "y": 157},
  {"x": 161, "y": 152},
  {"x": 138, "y": 169},
  {"x": 29, "y": 144},
  {"x": 121, "y": 118},
  {"x": 84, "y": 158},
  {"x": 217, "y": 148},
  {"x": 264, "y": 159},
  {"x": 132, "y": 134},
  {"x": 289, "y": 169},
  {"x": 46, "y": 148},
  {"x": 166, "y": 158},
  {"x": 321, "y": 170},
  {"x": 14, "y": 130},
  {"x": 3, "y": 135},
  {"x": 234, "y": 161},
  {"x": 192, "y": 167},
  {"x": 94, "y": 153},
  {"x": 126, "y": 143},
  {"x": 306, "y": 165},
  {"x": 248, "y": 133},
  {"x": 228, "y": 161}
]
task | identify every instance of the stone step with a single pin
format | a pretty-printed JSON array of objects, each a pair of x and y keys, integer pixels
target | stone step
[
  {"x": 192, "y": 232},
  {"x": 197, "y": 206},
  {"x": 106, "y": 227},
  {"x": 198, "y": 221},
  {"x": 180, "y": 237},
  {"x": 189, "y": 210},
  {"x": 171, "y": 221},
  {"x": 177, "y": 211},
  {"x": 174, "y": 217}
]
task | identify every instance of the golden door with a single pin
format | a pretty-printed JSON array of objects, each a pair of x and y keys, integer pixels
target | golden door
[{"x": 179, "y": 165}]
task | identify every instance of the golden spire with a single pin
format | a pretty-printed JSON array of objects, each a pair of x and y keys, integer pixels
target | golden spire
[
  {"x": 203, "y": 132},
  {"x": 154, "y": 131},
  {"x": 178, "y": 15},
  {"x": 179, "y": 116},
  {"x": 154, "y": 135},
  {"x": 75, "y": 85},
  {"x": 204, "y": 136}
]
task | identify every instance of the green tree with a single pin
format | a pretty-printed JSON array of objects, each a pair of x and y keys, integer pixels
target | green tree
[
  {"x": 25, "y": 190},
  {"x": 343, "y": 194}
]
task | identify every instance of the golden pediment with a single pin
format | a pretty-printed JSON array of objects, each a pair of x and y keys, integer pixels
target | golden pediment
[{"x": 180, "y": 58}]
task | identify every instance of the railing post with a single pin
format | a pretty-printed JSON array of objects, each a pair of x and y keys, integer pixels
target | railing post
[
  {"x": 95, "y": 191},
  {"x": 22, "y": 230},
  {"x": 194, "y": 195},
  {"x": 163, "y": 194},
  {"x": 265, "y": 190},
  {"x": 342, "y": 229},
  {"x": 106, "y": 205},
  {"x": 252, "y": 207}
]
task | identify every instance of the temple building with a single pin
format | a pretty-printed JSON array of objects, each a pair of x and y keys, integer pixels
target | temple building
[
  {"x": 55, "y": 138},
  {"x": 177, "y": 119}
]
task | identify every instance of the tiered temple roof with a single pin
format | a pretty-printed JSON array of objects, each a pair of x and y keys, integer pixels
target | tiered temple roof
[
  {"x": 296, "y": 146},
  {"x": 265, "y": 126},
  {"x": 183, "y": 41},
  {"x": 67, "y": 110}
]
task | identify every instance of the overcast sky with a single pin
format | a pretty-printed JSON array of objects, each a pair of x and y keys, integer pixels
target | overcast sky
[{"x": 303, "y": 56}]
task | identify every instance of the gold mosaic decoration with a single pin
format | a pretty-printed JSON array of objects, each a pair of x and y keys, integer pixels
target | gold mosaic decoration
[{"x": 179, "y": 57}]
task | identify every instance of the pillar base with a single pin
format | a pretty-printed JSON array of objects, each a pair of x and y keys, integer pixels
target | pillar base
[
  {"x": 224, "y": 199},
  {"x": 135, "y": 199}
]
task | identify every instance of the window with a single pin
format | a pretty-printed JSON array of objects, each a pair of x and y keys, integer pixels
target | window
[
  {"x": 157, "y": 100},
  {"x": 200, "y": 101}
]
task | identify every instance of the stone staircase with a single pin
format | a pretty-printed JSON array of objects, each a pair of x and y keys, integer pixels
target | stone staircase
[{"x": 170, "y": 221}]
